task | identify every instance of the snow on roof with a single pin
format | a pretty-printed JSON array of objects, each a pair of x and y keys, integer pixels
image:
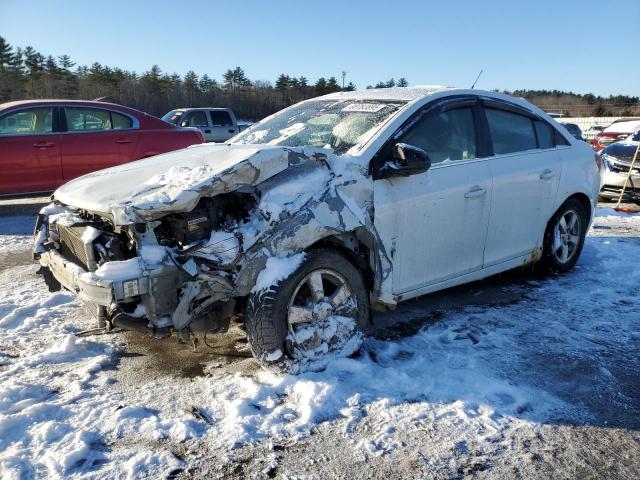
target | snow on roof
[
  {"x": 393, "y": 93},
  {"x": 623, "y": 127}
]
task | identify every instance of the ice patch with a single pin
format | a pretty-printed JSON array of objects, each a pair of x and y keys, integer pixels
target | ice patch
[
  {"x": 119, "y": 270},
  {"x": 90, "y": 234},
  {"x": 153, "y": 254}
]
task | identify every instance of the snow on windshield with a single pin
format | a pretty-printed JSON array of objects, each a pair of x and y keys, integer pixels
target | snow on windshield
[{"x": 339, "y": 125}]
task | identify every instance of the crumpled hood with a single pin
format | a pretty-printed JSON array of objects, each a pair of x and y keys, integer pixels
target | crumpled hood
[{"x": 148, "y": 189}]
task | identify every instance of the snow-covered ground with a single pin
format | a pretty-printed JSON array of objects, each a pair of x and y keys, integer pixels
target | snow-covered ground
[{"x": 515, "y": 376}]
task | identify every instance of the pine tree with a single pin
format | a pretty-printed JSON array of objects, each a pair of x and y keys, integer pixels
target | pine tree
[
  {"x": 402, "y": 82},
  {"x": 6, "y": 54},
  {"x": 332, "y": 85},
  {"x": 321, "y": 86},
  {"x": 192, "y": 89}
]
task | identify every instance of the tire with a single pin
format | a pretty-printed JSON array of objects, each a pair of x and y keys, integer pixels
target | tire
[
  {"x": 562, "y": 245},
  {"x": 289, "y": 332}
]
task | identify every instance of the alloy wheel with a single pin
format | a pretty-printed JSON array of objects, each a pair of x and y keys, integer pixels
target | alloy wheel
[
  {"x": 566, "y": 236},
  {"x": 322, "y": 314}
]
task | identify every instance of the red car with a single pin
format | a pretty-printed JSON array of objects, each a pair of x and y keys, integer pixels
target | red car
[
  {"x": 618, "y": 130},
  {"x": 45, "y": 143}
]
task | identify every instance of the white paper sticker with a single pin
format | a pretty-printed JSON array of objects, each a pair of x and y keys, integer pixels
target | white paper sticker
[
  {"x": 130, "y": 288},
  {"x": 364, "y": 107}
]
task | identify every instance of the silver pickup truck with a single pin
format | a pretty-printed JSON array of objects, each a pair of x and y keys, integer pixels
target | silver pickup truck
[{"x": 216, "y": 124}]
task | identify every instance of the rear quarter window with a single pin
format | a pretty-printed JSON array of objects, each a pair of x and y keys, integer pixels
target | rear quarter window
[
  {"x": 545, "y": 134},
  {"x": 120, "y": 122}
]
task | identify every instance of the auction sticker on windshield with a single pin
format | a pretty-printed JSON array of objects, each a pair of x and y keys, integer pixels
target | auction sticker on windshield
[{"x": 364, "y": 107}]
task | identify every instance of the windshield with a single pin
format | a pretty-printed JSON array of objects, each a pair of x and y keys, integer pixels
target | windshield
[
  {"x": 339, "y": 125},
  {"x": 172, "y": 117}
]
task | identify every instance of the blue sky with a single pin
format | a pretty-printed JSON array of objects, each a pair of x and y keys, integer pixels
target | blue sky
[{"x": 582, "y": 46}]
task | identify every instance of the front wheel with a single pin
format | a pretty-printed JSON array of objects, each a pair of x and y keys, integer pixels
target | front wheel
[
  {"x": 319, "y": 312},
  {"x": 564, "y": 237}
]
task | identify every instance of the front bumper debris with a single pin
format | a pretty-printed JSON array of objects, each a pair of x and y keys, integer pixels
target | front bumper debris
[{"x": 88, "y": 287}]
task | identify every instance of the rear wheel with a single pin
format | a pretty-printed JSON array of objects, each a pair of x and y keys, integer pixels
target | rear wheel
[
  {"x": 319, "y": 312},
  {"x": 564, "y": 237}
]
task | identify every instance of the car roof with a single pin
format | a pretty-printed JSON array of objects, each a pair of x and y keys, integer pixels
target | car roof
[
  {"x": 393, "y": 93},
  {"x": 88, "y": 103},
  {"x": 626, "y": 126},
  {"x": 184, "y": 109}
]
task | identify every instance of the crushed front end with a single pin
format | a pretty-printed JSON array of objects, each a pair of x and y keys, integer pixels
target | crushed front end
[{"x": 169, "y": 274}]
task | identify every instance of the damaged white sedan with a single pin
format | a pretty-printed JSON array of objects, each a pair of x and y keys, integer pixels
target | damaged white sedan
[{"x": 307, "y": 221}]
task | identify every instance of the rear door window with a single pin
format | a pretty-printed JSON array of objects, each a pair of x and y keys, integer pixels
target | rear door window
[
  {"x": 220, "y": 119},
  {"x": 32, "y": 121},
  {"x": 87, "y": 119},
  {"x": 510, "y": 132}
]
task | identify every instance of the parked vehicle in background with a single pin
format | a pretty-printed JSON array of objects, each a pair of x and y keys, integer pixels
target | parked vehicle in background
[
  {"x": 311, "y": 218},
  {"x": 45, "y": 143},
  {"x": 573, "y": 130},
  {"x": 618, "y": 130},
  {"x": 617, "y": 159},
  {"x": 216, "y": 124},
  {"x": 592, "y": 132}
]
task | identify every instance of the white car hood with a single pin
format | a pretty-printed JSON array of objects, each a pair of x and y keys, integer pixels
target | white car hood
[{"x": 174, "y": 182}]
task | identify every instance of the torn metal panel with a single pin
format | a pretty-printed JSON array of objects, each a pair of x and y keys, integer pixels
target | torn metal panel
[{"x": 137, "y": 192}]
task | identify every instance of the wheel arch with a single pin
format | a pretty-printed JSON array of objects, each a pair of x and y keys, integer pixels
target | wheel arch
[
  {"x": 584, "y": 201},
  {"x": 357, "y": 247}
]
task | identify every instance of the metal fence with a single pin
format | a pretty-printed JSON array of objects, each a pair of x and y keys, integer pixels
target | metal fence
[{"x": 585, "y": 123}]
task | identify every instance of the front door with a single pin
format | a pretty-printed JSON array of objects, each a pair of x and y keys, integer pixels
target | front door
[
  {"x": 29, "y": 152},
  {"x": 200, "y": 120},
  {"x": 434, "y": 224}
]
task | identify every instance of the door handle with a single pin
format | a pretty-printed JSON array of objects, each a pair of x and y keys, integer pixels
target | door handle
[
  {"x": 123, "y": 140},
  {"x": 207, "y": 131},
  {"x": 43, "y": 145},
  {"x": 548, "y": 174},
  {"x": 475, "y": 192},
  {"x": 232, "y": 130}
]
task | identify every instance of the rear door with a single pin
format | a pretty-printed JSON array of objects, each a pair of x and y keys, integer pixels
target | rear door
[
  {"x": 198, "y": 119},
  {"x": 96, "y": 138},
  {"x": 526, "y": 172},
  {"x": 222, "y": 125},
  {"x": 29, "y": 151}
]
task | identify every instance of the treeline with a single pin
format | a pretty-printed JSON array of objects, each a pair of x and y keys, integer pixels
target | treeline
[
  {"x": 28, "y": 74},
  {"x": 581, "y": 105}
]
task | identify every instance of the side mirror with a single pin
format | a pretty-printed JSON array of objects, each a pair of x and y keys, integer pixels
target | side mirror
[
  {"x": 184, "y": 124},
  {"x": 407, "y": 160}
]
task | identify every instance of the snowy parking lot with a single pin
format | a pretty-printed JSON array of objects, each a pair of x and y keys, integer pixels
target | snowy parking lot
[{"x": 518, "y": 375}]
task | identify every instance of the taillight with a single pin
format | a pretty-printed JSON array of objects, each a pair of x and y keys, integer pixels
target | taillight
[{"x": 599, "y": 162}]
